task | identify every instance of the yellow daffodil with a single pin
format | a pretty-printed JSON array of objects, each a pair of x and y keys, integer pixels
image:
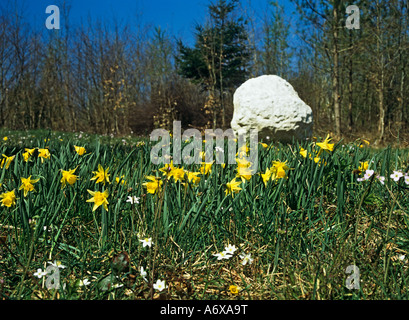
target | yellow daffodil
[
  {"x": 43, "y": 154},
  {"x": 167, "y": 169},
  {"x": 6, "y": 161},
  {"x": 242, "y": 163},
  {"x": 27, "y": 154},
  {"x": 234, "y": 290},
  {"x": 192, "y": 177},
  {"x": 101, "y": 175},
  {"x": 27, "y": 184},
  {"x": 365, "y": 141},
  {"x": 244, "y": 173},
  {"x": 8, "y": 199},
  {"x": 303, "y": 152},
  {"x": 80, "y": 150},
  {"x": 243, "y": 151},
  {"x": 120, "y": 179},
  {"x": 68, "y": 177},
  {"x": 99, "y": 198},
  {"x": 30, "y": 151},
  {"x": 363, "y": 166},
  {"x": 325, "y": 145},
  {"x": 264, "y": 145},
  {"x": 154, "y": 185},
  {"x": 266, "y": 176},
  {"x": 233, "y": 187},
  {"x": 206, "y": 167},
  {"x": 177, "y": 174},
  {"x": 279, "y": 169}
]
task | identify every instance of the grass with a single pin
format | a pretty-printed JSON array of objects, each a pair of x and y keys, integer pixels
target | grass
[{"x": 302, "y": 232}]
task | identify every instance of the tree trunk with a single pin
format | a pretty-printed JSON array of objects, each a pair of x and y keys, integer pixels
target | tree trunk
[
  {"x": 335, "y": 79},
  {"x": 381, "y": 122}
]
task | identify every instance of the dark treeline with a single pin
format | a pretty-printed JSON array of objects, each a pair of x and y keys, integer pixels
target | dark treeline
[{"x": 106, "y": 77}]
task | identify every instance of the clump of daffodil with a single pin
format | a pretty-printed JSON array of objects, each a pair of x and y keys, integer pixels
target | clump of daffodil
[
  {"x": 317, "y": 159},
  {"x": 167, "y": 169},
  {"x": 243, "y": 151},
  {"x": 303, "y": 152},
  {"x": 364, "y": 142},
  {"x": 206, "y": 167},
  {"x": 8, "y": 199},
  {"x": 80, "y": 150},
  {"x": 244, "y": 173},
  {"x": 6, "y": 161},
  {"x": 232, "y": 187},
  {"x": 178, "y": 174},
  {"x": 120, "y": 180},
  {"x": 363, "y": 166},
  {"x": 325, "y": 145},
  {"x": 28, "y": 153},
  {"x": 43, "y": 154},
  {"x": 266, "y": 176},
  {"x": 234, "y": 290},
  {"x": 192, "y": 177},
  {"x": 99, "y": 199},
  {"x": 278, "y": 170},
  {"x": 242, "y": 163},
  {"x": 69, "y": 177},
  {"x": 264, "y": 145},
  {"x": 101, "y": 175},
  {"x": 154, "y": 185},
  {"x": 27, "y": 184}
]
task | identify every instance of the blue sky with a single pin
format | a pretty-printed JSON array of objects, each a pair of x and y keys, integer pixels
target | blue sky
[{"x": 178, "y": 17}]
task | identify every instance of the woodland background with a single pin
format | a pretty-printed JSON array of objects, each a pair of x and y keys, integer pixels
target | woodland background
[{"x": 137, "y": 78}]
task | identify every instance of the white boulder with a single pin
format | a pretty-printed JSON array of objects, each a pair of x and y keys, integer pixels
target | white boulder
[{"x": 271, "y": 105}]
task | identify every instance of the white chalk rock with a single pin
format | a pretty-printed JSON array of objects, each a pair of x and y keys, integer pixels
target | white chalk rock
[{"x": 270, "y": 105}]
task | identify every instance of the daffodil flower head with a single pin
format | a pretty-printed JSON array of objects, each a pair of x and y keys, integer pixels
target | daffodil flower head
[
  {"x": 8, "y": 199},
  {"x": 232, "y": 187},
  {"x": 154, "y": 185},
  {"x": 167, "y": 169},
  {"x": 43, "y": 154},
  {"x": 6, "y": 161},
  {"x": 101, "y": 175},
  {"x": 303, "y": 152},
  {"x": 266, "y": 176},
  {"x": 69, "y": 177},
  {"x": 80, "y": 150},
  {"x": 234, "y": 289},
  {"x": 193, "y": 177},
  {"x": 244, "y": 173},
  {"x": 27, "y": 184},
  {"x": 99, "y": 199},
  {"x": 178, "y": 174},
  {"x": 325, "y": 145},
  {"x": 206, "y": 168}
]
